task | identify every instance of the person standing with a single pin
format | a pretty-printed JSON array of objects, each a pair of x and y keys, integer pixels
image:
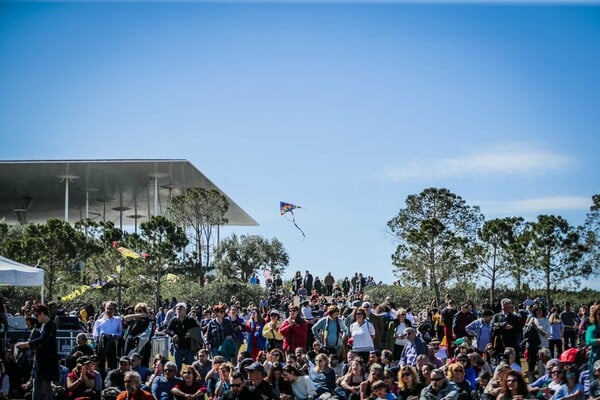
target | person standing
[
  {"x": 592, "y": 337},
  {"x": 362, "y": 333},
  {"x": 447, "y": 316},
  {"x": 220, "y": 334},
  {"x": 107, "y": 332},
  {"x": 569, "y": 320},
  {"x": 271, "y": 331},
  {"x": 506, "y": 327},
  {"x": 329, "y": 281},
  {"x": 481, "y": 330},
  {"x": 378, "y": 324},
  {"x": 461, "y": 319},
  {"x": 308, "y": 281},
  {"x": 331, "y": 331},
  {"x": 294, "y": 330},
  {"x": 541, "y": 324},
  {"x": 45, "y": 364},
  {"x": 179, "y": 331}
]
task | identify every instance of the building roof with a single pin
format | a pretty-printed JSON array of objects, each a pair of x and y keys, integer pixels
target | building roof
[{"x": 121, "y": 191}]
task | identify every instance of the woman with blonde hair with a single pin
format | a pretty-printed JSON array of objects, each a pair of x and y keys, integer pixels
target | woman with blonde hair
[
  {"x": 138, "y": 333},
  {"x": 322, "y": 375},
  {"x": 409, "y": 384},
  {"x": 396, "y": 339},
  {"x": 556, "y": 333},
  {"x": 456, "y": 375}
]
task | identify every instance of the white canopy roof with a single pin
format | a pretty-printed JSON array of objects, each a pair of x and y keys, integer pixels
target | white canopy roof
[{"x": 13, "y": 273}]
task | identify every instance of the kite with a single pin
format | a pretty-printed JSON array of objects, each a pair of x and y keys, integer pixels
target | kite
[
  {"x": 288, "y": 208},
  {"x": 128, "y": 253}
]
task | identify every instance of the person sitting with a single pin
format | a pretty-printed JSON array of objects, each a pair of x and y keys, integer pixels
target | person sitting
[
  {"x": 133, "y": 390},
  {"x": 439, "y": 388},
  {"x": 302, "y": 385},
  {"x": 162, "y": 385},
  {"x": 571, "y": 389},
  {"x": 189, "y": 388},
  {"x": 380, "y": 391},
  {"x": 81, "y": 382},
  {"x": 514, "y": 387},
  {"x": 322, "y": 375},
  {"x": 456, "y": 375},
  {"x": 275, "y": 379},
  {"x": 238, "y": 389},
  {"x": 409, "y": 385},
  {"x": 115, "y": 378},
  {"x": 256, "y": 375}
]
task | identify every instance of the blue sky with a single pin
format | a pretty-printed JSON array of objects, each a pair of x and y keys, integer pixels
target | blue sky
[{"x": 342, "y": 108}]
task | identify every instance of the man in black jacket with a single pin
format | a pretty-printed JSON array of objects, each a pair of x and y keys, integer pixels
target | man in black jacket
[
  {"x": 179, "y": 330},
  {"x": 45, "y": 365},
  {"x": 507, "y": 328}
]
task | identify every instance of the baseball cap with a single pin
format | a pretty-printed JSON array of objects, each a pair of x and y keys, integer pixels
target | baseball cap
[{"x": 255, "y": 367}]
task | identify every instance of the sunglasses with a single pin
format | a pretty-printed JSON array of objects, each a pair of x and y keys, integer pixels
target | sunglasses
[
  {"x": 236, "y": 385},
  {"x": 436, "y": 379},
  {"x": 169, "y": 370},
  {"x": 406, "y": 374}
]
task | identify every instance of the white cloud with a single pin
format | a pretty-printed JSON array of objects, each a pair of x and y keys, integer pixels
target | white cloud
[
  {"x": 536, "y": 206},
  {"x": 500, "y": 163}
]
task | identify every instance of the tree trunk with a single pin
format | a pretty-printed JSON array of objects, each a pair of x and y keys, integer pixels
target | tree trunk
[{"x": 157, "y": 299}]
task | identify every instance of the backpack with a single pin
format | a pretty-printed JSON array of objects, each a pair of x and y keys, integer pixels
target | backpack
[{"x": 569, "y": 356}]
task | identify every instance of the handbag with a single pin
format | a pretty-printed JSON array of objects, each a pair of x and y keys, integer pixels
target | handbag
[{"x": 531, "y": 336}]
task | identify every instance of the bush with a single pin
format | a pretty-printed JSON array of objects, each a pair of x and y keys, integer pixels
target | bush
[{"x": 216, "y": 292}]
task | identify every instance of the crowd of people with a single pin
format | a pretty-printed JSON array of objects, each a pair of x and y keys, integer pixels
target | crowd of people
[{"x": 326, "y": 341}]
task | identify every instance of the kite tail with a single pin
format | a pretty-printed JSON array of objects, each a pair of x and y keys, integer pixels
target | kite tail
[{"x": 294, "y": 221}]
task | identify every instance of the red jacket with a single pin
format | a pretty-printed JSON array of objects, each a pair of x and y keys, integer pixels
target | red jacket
[{"x": 294, "y": 334}]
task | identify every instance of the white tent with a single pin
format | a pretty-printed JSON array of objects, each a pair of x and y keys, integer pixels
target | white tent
[{"x": 13, "y": 273}]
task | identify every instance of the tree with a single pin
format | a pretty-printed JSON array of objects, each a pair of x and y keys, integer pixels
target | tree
[
  {"x": 97, "y": 252},
  {"x": 200, "y": 212},
  {"x": 54, "y": 246},
  {"x": 163, "y": 241},
  {"x": 434, "y": 232},
  {"x": 555, "y": 252},
  {"x": 493, "y": 250},
  {"x": 590, "y": 232},
  {"x": 239, "y": 258}
]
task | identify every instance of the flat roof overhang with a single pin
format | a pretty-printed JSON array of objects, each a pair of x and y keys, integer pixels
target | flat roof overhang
[{"x": 121, "y": 191}]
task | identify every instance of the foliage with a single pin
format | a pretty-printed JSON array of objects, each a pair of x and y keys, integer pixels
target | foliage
[
  {"x": 493, "y": 249},
  {"x": 54, "y": 246},
  {"x": 16, "y": 296},
  {"x": 420, "y": 298},
  {"x": 240, "y": 257},
  {"x": 200, "y": 211},
  {"x": 214, "y": 292},
  {"x": 590, "y": 233},
  {"x": 163, "y": 241},
  {"x": 434, "y": 232},
  {"x": 555, "y": 252}
]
